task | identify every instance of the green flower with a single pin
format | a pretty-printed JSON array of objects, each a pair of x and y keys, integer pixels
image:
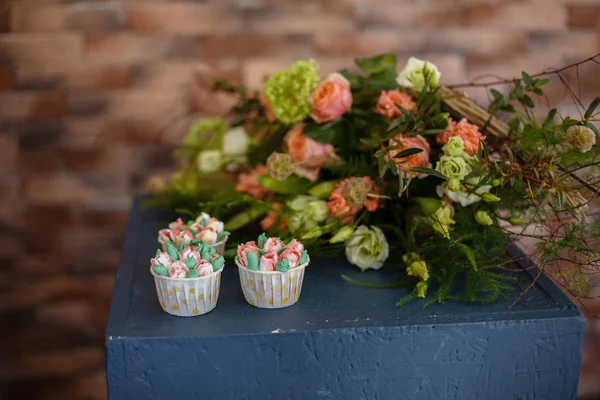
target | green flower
[
  {"x": 442, "y": 221},
  {"x": 342, "y": 235},
  {"x": 307, "y": 213},
  {"x": 209, "y": 161},
  {"x": 453, "y": 167},
  {"x": 280, "y": 166},
  {"x": 517, "y": 221},
  {"x": 483, "y": 218},
  {"x": 490, "y": 198},
  {"x": 416, "y": 72},
  {"x": 289, "y": 93},
  {"x": 235, "y": 145},
  {"x": 367, "y": 248},
  {"x": 454, "y": 147},
  {"x": 454, "y": 184},
  {"x": 207, "y": 133},
  {"x": 418, "y": 269}
]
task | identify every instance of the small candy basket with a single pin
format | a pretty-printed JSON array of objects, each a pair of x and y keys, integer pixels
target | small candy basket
[
  {"x": 203, "y": 229},
  {"x": 271, "y": 273},
  {"x": 187, "y": 279}
]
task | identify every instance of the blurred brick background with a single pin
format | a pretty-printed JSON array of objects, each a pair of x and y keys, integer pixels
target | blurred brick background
[{"x": 86, "y": 88}]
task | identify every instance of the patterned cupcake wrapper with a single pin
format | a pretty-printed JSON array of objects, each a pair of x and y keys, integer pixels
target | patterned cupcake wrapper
[
  {"x": 188, "y": 297},
  {"x": 272, "y": 289},
  {"x": 219, "y": 246}
]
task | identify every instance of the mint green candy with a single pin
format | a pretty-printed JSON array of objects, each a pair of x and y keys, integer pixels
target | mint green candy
[
  {"x": 211, "y": 250},
  {"x": 191, "y": 222},
  {"x": 223, "y": 235},
  {"x": 205, "y": 251},
  {"x": 218, "y": 263},
  {"x": 157, "y": 253},
  {"x": 190, "y": 263},
  {"x": 261, "y": 240},
  {"x": 193, "y": 273},
  {"x": 282, "y": 266},
  {"x": 161, "y": 270},
  {"x": 303, "y": 258},
  {"x": 172, "y": 251},
  {"x": 252, "y": 261}
]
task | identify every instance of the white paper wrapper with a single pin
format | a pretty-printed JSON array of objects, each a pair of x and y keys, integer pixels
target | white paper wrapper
[
  {"x": 188, "y": 297},
  {"x": 272, "y": 289},
  {"x": 219, "y": 246}
]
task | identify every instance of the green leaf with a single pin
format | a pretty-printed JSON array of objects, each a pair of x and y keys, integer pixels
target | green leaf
[
  {"x": 526, "y": 101},
  {"x": 292, "y": 185},
  {"x": 373, "y": 65},
  {"x": 423, "y": 93},
  {"x": 527, "y": 79},
  {"x": 428, "y": 171},
  {"x": 245, "y": 217},
  {"x": 408, "y": 152},
  {"x": 550, "y": 117},
  {"x": 432, "y": 131},
  {"x": 322, "y": 133},
  {"x": 497, "y": 95},
  {"x": 172, "y": 251},
  {"x": 161, "y": 270},
  {"x": 592, "y": 108}
]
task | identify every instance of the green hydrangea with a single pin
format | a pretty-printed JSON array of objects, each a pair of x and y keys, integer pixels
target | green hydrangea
[{"x": 289, "y": 92}]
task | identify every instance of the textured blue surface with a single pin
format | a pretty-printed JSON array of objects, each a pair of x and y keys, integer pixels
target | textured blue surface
[{"x": 338, "y": 342}]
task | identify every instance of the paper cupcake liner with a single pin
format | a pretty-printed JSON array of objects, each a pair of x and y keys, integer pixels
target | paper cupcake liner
[
  {"x": 219, "y": 246},
  {"x": 272, "y": 289},
  {"x": 188, "y": 297}
]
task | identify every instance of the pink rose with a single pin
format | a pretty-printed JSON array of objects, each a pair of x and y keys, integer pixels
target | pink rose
[
  {"x": 292, "y": 253},
  {"x": 268, "y": 261},
  {"x": 309, "y": 154},
  {"x": 243, "y": 250},
  {"x": 386, "y": 104},
  {"x": 178, "y": 270},
  {"x": 468, "y": 132},
  {"x": 339, "y": 207},
  {"x": 190, "y": 252},
  {"x": 177, "y": 224},
  {"x": 331, "y": 99},
  {"x": 165, "y": 235},
  {"x": 248, "y": 183},
  {"x": 273, "y": 245},
  {"x": 162, "y": 259},
  {"x": 416, "y": 160},
  {"x": 269, "y": 220},
  {"x": 208, "y": 236},
  {"x": 204, "y": 268}
]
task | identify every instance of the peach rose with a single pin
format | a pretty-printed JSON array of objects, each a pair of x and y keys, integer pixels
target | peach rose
[
  {"x": 331, "y": 99},
  {"x": 386, "y": 104},
  {"x": 309, "y": 154},
  {"x": 271, "y": 217},
  {"x": 162, "y": 259},
  {"x": 204, "y": 268},
  {"x": 243, "y": 250},
  {"x": 292, "y": 253},
  {"x": 265, "y": 103},
  {"x": 268, "y": 261},
  {"x": 339, "y": 207},
  {"x": 178, "y": 270},
  {"x": 273, "y": 245},
  {"x": 179, "y": 224},
  {"x": 190, "y": 252},
  {"x": 468, "y": 132},
  {"x": 416, "y": 160},
  {"x": 248, "y": 183}
]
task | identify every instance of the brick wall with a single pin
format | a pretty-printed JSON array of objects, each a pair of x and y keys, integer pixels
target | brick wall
[{"x": 86, "y": 88}]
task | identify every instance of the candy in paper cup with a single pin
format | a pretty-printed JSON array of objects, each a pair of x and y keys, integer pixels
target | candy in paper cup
[
  {"x": 272, "y": 289},
  {"x": 188, "y": 297},
  {"x": 219, "y": 246}
]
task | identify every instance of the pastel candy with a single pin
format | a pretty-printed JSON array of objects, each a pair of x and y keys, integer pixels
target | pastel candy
[
  {"x": 193, "y": 273},
  {"x": 282, "y": 266},
  {"x": 172, "y": 251},
  {"x": 218, "y": 263},
  {"x": 161, "y": 270},
  {"x": 303, "y": 258},
  {"x": 222, "y": 235},
  {"x": 253, "y": 264},
  {"x": 261, "y": 240}
]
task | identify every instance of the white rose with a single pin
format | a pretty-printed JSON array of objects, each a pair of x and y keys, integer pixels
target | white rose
[
  {"x": 236, "y": 142},
  {"x": 463, "y": 198},
  {"x": 367, "y": 248},
  {"x": 415, "y": 74},
  {"x": 581, "y": 137},
  {"x": 209, "y": 161}
]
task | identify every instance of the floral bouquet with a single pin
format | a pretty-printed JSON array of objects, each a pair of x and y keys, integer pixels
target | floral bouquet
[
  {"x": 203, "y": 229},
  {"x": 187, "y": 278},
  {"x": 390, "y": 169},
  {"x": 271, "y": 272}
]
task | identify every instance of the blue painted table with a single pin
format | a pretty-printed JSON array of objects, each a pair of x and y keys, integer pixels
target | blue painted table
[{"x": 338, "y": 342}]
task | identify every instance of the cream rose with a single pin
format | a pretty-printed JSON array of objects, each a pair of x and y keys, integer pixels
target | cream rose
[
  {"x": 416, "y": 72},
  {"x": 367, "y": 248}
]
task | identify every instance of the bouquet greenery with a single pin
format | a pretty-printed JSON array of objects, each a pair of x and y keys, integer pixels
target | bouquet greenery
[{"x": 390, "y": 169}]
